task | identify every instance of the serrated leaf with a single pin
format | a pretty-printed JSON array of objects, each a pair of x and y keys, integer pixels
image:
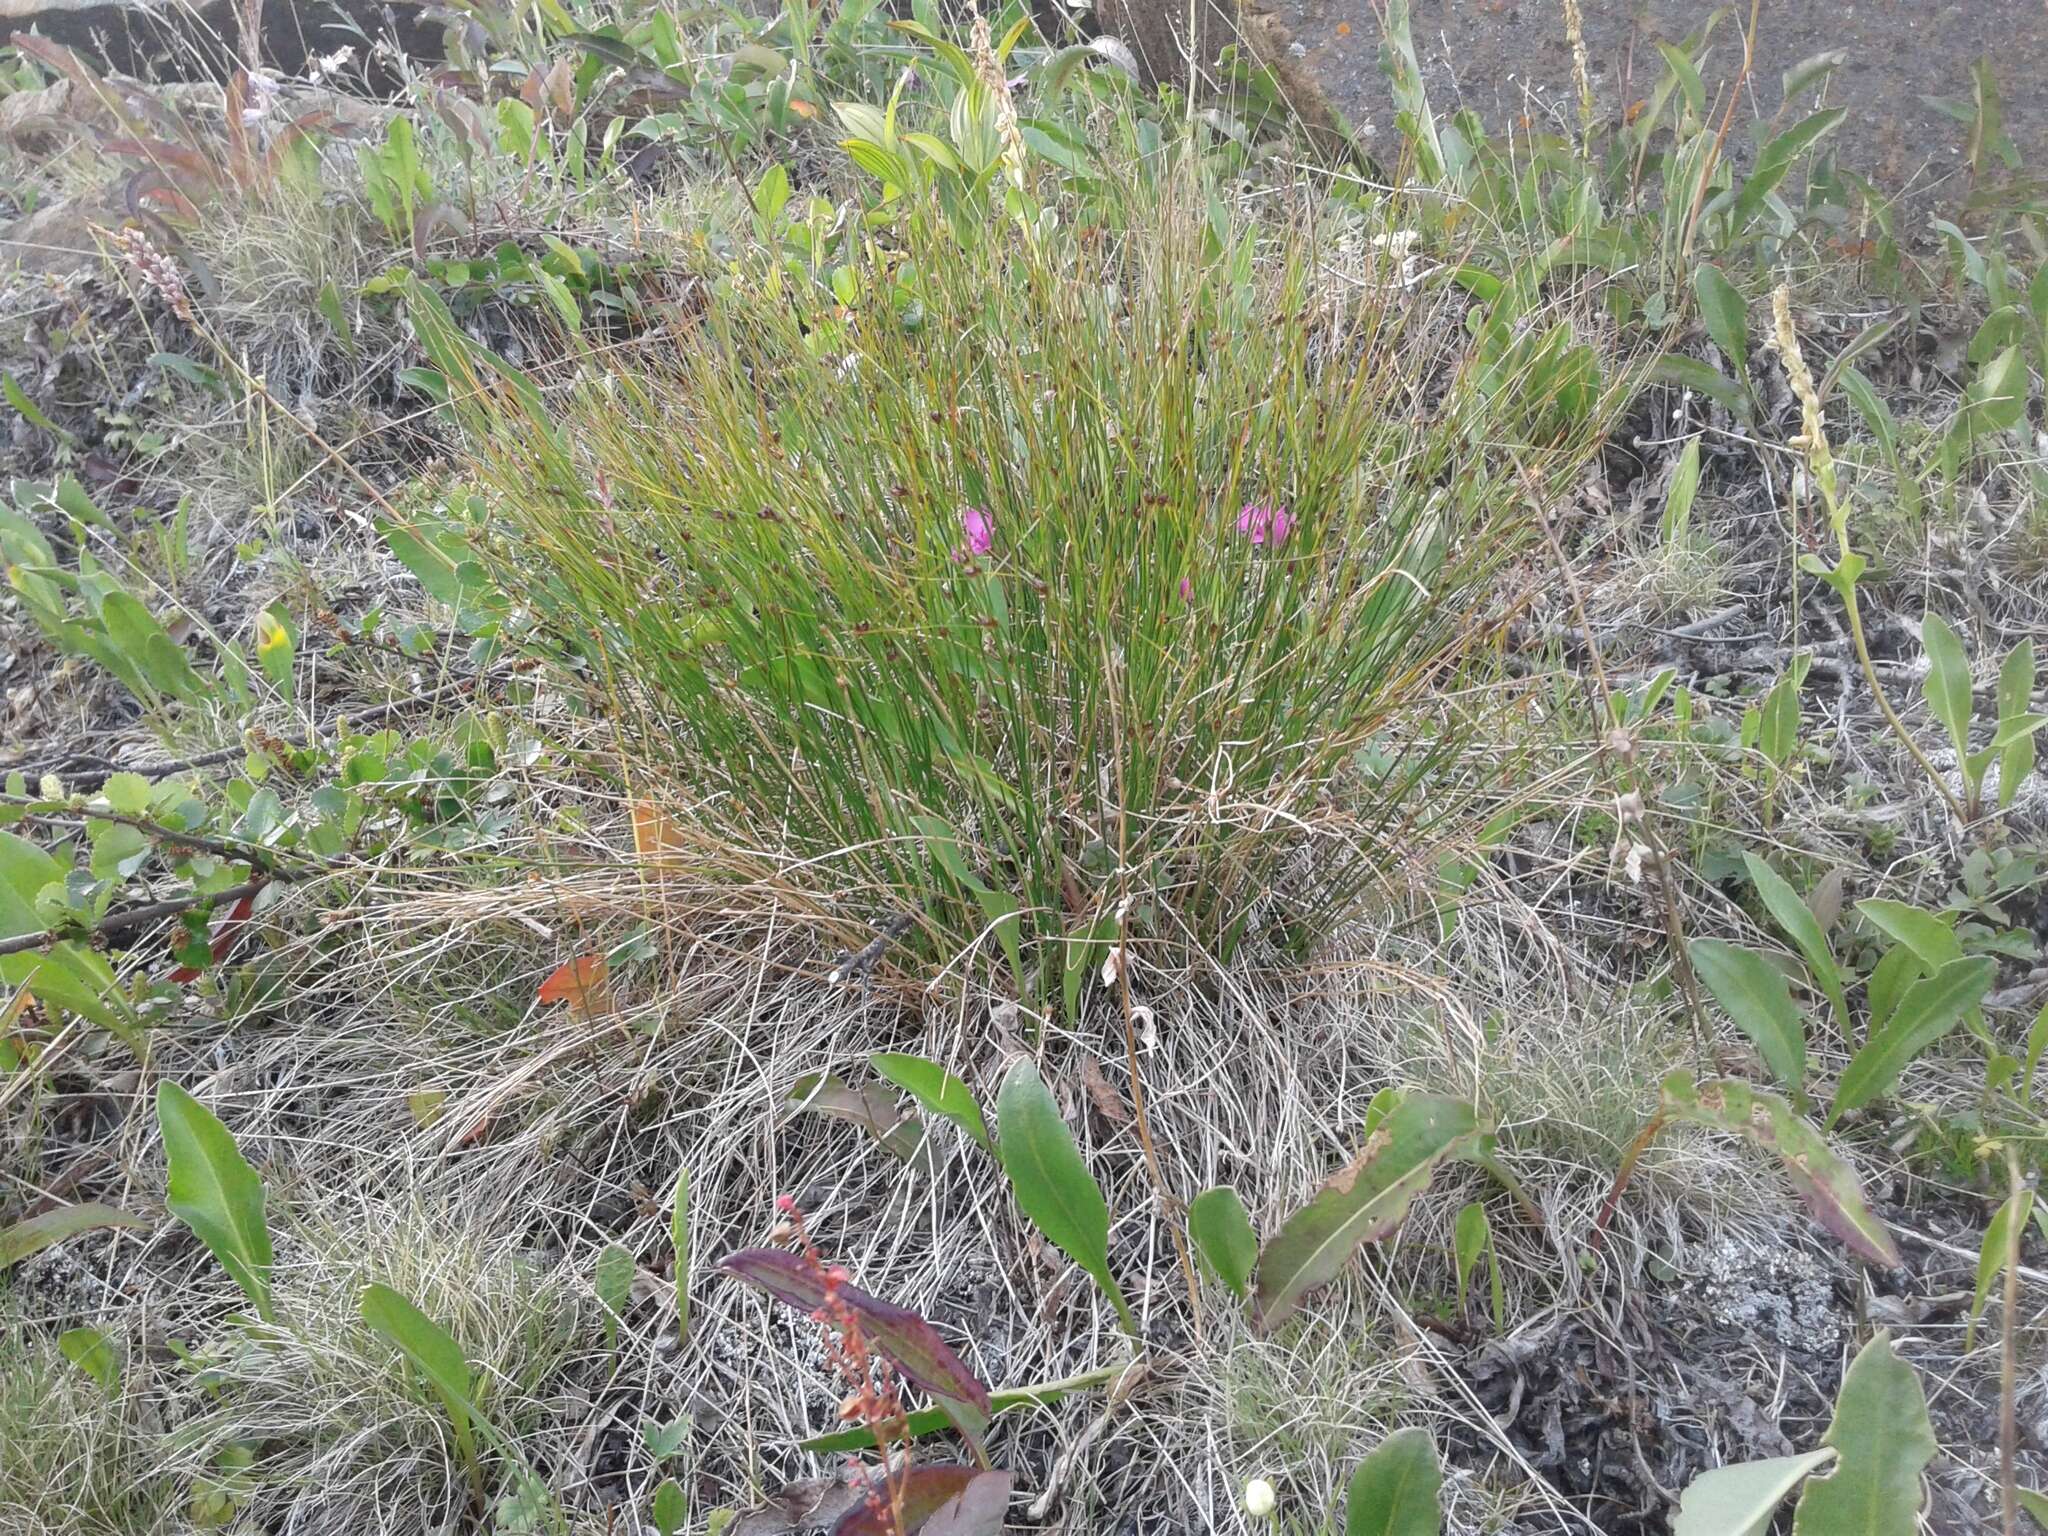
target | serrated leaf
[
  {"x": 1223, "y": 1237},
  {"x": 1882, "y": 1433},
  {"x": 1930, "y": 1008},
  {"x": 213, "y": 1190},
  {"x": 1824, "y": 1181},
  {"x": 1947, "y": 684},
  {"x": 1794, "y": 916},
  {"x": 1363, "y": 1203},
  {"x": 936, "y": 1089},
  {"x": 32, "y": 1234},
  {"x": 1394, "y": 1491},
  {"x": 1740, "y": 1500},
  {"x": 1051, "y": 1181},
  {"x": 911, "y": 1344},
  {"x": 1754, "y": 994}
]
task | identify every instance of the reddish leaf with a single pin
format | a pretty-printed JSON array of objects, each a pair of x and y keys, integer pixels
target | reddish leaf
[
  {"x": 908, "y": 1340},
  {"x": 580, "y": 983},
  {"x": 655, "y": 836},
  {"x": 220, "y": 941},
  {"x": 977, "y": 1510},
  {"x": 926, "y": 1492}
]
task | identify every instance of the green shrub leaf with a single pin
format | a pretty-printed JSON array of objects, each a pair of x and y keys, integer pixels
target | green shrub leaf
[
  {"x": 1394, "y": 1490},
  {"x": 32, "y": 1234},
  {"x": 1930, "y": 1008},
  {"x": 1223, "y": 1236},
  {"x": 1885, "y": 1440},
  {"x": 214, "y": 1191},
  {"x": 1793, "y": 915},
  {"x": 1363, "y": 1203},
  {"x": 1050, "y": 1180},
  {"x": 1725, "y": 314},
  {"x": 434, "y": 1352},
  {"x": 1948, "y": 679},
  {"x": 1753, "y": 992},
  {"x": 1740, "y": 1500}
]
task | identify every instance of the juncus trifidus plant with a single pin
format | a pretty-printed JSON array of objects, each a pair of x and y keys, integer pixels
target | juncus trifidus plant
[{"x": 1045, "y": 577}]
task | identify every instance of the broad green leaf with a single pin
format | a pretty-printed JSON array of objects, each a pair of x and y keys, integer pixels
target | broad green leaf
[
  {"x": 671, "y": 1509},
  {"x": 871, "y": 1108},
  {"x": 1362, "y": 1204},
  {"x": 1224, "y": 1238},
  {"x": 1726, "y": 316},
  {"x": 1051, "y": 1182},
  {"x": 1685, "y": 486},
  {"x": 2035, "y": 1504},
  {"x": 1929, "y": 937},
  {"x": 433, "y": 1352},
  {"x": 214, "y": 1191},
  {"x": 2015, "y": 693},
  {"x": 1930, "y": 1008},
  {"x": 1468, "y": 1241},
  {"x": 1740, "y": 1500},
  {"x": 1999, "y": 1240},
  {"x": 1394, "y": 1491},
  {"x": 613, "y": 1283},
  {"x": 1825, "y": 1182},
  {"x": 1753, "y": 992},
  {"x": 1776, "y": 159},
  {"x": 1701, "y": 378},
  {"x": 931, "y": 1421},
  {"x": 1898, "y": 970},
  {"x": 936, "y": 1089},
  {"x": 1884, "y": 1439},
  {"x": 1995, "y": 398},
  {"x": 93, "y": 1353},
  {"x": 32, "y": 1234},
  {"x": 679, "y": 1241},
  {"x": 1793, "y": 915},
  {"x": 1948, "y": 679}
]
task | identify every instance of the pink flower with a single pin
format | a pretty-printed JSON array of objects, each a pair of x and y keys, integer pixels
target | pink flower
[
  {"x": 1264, "y": 524},
  {"x": 980, "y": 529},
  {"x": 1187, "y": 590}
]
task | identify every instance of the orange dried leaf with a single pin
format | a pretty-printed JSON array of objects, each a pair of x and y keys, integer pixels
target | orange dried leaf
[
  {"x": 655, "y": 836},
  {"x": 578, "y": 982}
]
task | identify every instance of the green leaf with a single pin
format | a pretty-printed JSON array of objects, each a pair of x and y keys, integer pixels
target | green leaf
[
  {"x": 2015, "y": 693},
  {"x": 671, "y": 1510},
  {"x": 930, "y": 1421},
  {"x": 1726, "y": 316},
  {"x": 1223, "y": 1237},
  {"x": 1930, "y": 938},
  {"x": 1885, "y": 1440},
  {"x": 679, "y": 1241},
  {"x": 1826, "y": 1183},
  {"x": 613, "y": 1282},
  {"x": 32, "y": 1234},
  {"x": 1995, "y": 398},
  {"x": 936, "y": 1089},
  {"x": 2035, "y": 1504},
  {"x": 1948, "y": 679},
  {"x": 433, "y": 1352},
  {"x": 1930, "y": 1008},
  {"x": 1051, "y": 1182},
  {"x": 31, "y": 412},
  {"x": 1753, "y": 992},
  {"x": 1702, "y": 379},
  {"x": 1794, "y": 916},
  {"x": 1776, "y": 159},
  {"x": 1363, "y": 1203},
  {"x": 93, "y": 1353},
  {"x": 1898, "y": 970},
  {"x": 1740, "y": 1500},
  {"x": 214, "y": 1191},
  {"x": 1685, "y": 485},
  {"x": 1998, "y": 1246},
  {"x": 1393, "y": 1492},
  {"x": 1468, "y": 1241}
]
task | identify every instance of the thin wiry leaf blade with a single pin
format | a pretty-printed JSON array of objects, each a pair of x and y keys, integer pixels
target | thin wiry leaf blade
[{"x": 1362, "y": 1204}]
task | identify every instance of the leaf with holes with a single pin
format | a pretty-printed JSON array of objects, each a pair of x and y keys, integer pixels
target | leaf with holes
[
  {"x": 1363, "y": 1203},
  {"x": 1051, "y": 1182},
  {"x": 1394, "y": 1492},
  {"x": 1882, "y": 1433},
  {"x": 911, "y": 1344},
  {"x": 1223, "y": 1237},
  {"x": 1824, "y": 1181},
  {"x": 214, "y": 1191}
]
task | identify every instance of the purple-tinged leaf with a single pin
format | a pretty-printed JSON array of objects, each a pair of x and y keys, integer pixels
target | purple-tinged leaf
[
  {"x": 911, "y": 1344},
  {"x": 925, "y": 1492}
]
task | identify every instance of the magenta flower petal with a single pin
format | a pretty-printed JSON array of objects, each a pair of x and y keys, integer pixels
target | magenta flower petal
[
  {"x": 1264, "y": 525},
  {"x": 980, "y": 529}
]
